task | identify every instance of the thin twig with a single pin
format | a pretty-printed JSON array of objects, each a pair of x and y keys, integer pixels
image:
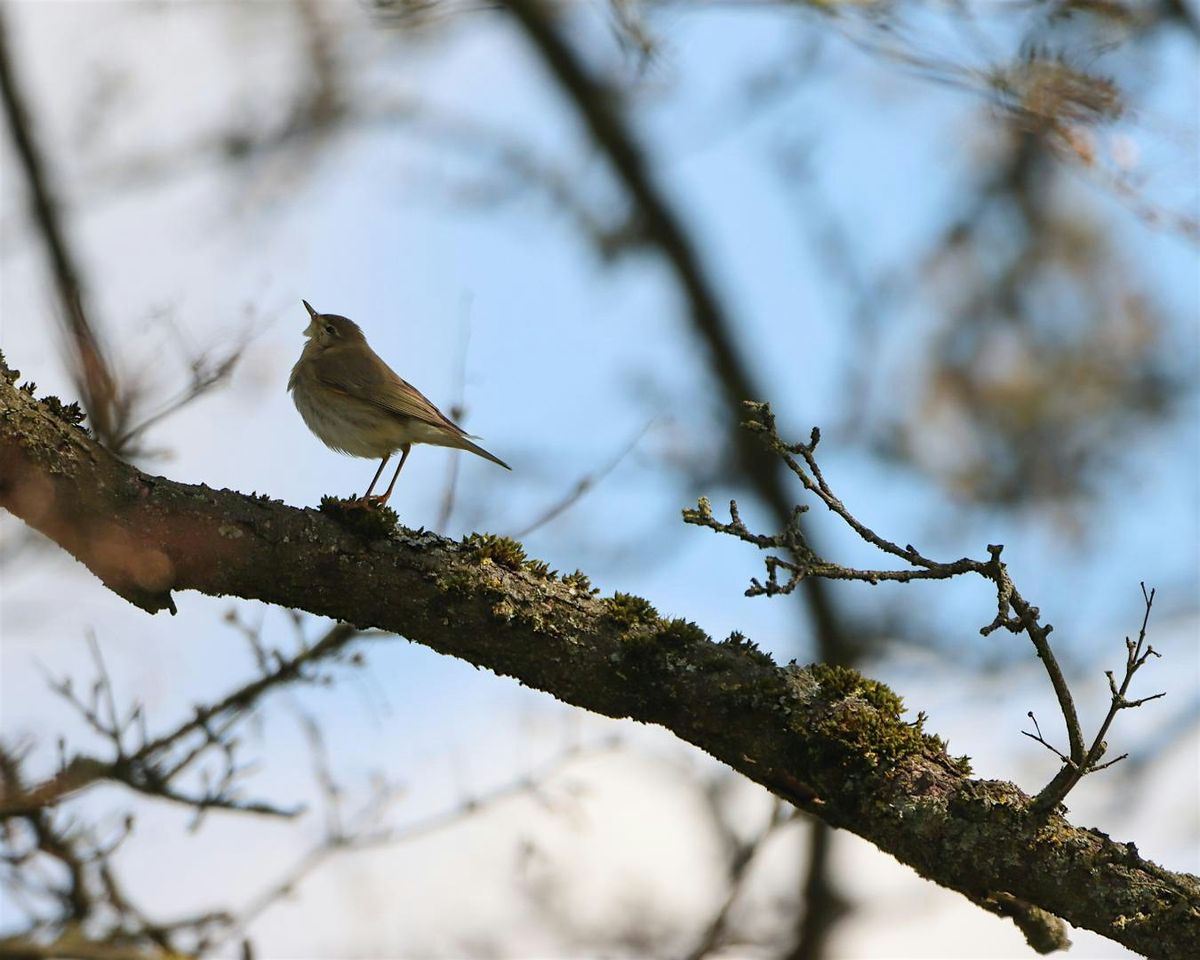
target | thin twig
[
  {"x": 151, "y": 768},
  {"x": 1013, "y": 612},
  {"x": 588, "y": 482},
  {"x": 741, "y": 856},
  {"x": 1136, "y": 654},
  {"x": 457, "y": 413},
  {"x": 364, "y": 833},
  {"x": 204, "y": 376}
]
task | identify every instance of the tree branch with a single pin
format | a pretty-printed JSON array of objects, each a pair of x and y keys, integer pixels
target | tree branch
[
  {"x": 825, "y": 739},
  {"x": 91, "y": 368},
  {"x": 1013, "y": 612}
]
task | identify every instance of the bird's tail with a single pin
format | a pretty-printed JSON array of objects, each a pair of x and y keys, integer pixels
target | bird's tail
[{"x": 480, "y": 452}]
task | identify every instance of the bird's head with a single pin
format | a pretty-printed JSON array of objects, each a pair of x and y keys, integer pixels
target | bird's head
[{"x": 328, "y": 329}]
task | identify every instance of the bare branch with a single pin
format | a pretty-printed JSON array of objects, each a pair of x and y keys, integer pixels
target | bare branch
[
  {"x": 152, "y": 767},
  {"x": 365, "y": 831},
  {"x": 1136, "y": 655},
  {"x": 1013, "y": 612},
  {"x": 741, "y": 855},
  {"x": 583, "y": 486}
]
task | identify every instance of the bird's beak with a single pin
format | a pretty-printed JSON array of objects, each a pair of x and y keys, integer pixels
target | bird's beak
[{"x": 313, "y": 327}]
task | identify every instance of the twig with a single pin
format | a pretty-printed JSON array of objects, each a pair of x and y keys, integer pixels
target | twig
[
  {"x": 1013, "y": 612},
  {"x": 741, "y": 855},
  {"x": 363, "y": 834},
  {"x": 823, "y": 904},
  {"x": 1075, "y": 769},
  {"x": 83, "y": 880},
  {"x": 583, "y": 485},
  {"x": 151, "y": 768},
  {"x": 457, "y": 411},
  {"x": 205, "y": 375}
]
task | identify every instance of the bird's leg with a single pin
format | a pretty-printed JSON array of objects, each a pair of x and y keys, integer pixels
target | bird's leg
[
  {"x": 404, "y": 451},
  {"x": 366, "y": 497}
]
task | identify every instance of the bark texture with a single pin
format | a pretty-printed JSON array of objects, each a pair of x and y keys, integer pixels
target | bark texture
[{"x": 823, "y": 738}]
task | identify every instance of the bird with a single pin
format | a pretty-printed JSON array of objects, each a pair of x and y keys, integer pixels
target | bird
[{"x": 356, "y": 404}]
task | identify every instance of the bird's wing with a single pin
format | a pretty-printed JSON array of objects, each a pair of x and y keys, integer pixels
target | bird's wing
[{"x": 367, "y": 378}]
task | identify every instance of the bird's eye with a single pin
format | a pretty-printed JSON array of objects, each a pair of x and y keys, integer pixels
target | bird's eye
[{"x": 329, "y": 329}]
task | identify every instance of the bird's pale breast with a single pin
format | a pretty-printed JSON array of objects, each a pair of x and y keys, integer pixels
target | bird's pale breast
[{"x": 347, "y": 424}]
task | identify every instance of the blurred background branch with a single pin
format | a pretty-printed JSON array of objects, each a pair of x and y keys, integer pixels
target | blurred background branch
[{"x": 91, "y": 367}]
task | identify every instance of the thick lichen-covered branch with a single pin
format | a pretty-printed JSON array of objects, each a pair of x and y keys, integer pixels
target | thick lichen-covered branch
[{"x": 825, "y": 739}]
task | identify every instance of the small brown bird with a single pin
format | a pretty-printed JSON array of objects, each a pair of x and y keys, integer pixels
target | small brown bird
[{"x": 356, "y": 404}]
